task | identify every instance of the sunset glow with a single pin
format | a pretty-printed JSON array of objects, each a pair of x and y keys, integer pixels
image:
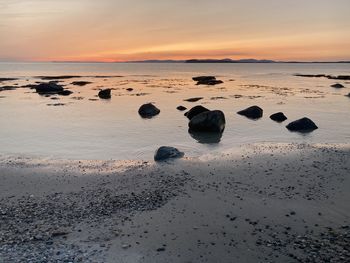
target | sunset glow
[{"x": 106, "y": 30}]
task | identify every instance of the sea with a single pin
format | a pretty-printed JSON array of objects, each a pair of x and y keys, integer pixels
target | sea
[{"x": 83, "y": 126}]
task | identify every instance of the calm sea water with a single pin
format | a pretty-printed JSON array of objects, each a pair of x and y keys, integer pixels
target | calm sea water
[{"x": 86, "y": 127}]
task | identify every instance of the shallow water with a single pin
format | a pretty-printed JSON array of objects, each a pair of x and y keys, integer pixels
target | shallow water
[{"x": 86, "y": 127}]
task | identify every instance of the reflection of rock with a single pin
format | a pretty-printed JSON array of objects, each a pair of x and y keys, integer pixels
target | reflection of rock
[
  {"x": 195, "y": 111},
  {"x": 50, "y": 87},
  {"x": 209, "y": 121},
  {"x": 302, "y": 125},
  {"x": 105, "y": 94},
  {"x": 148, "y": 110},
  {"x": 279, "y": 117},
  {"x": 193, "y": 99},
  {"x": 166, "y": 152},
  {"x": 253, "y": 112},
  {"x": 207, "y": 80},
  {"x": 181, "y": 108},
  {"x": 206, "y": 137},
  {"x": 337, "y": 86}
]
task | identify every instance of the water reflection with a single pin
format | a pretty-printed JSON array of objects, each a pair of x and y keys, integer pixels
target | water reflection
[{"x": 206, "y": 137}]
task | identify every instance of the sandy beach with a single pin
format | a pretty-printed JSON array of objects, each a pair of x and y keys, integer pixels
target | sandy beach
[{"x": 256, "y": 203}]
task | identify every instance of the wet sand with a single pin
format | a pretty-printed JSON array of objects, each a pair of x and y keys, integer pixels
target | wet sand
[{"x": 258, "y": 203}]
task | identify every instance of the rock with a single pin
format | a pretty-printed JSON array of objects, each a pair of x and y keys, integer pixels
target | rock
[
  {"x": 337, "y": 86},
  {"x": 204, "y": 78},
  {"x": 194, "y": 99},
  {"x": 7, "y": 79},
  {"x": 50, "y": 87},
  {"x": 148, "y": 110},
  {"x": 195, "y": 111},
  {"x": 206, "y": 137},
  {"x": 65, "y": 92},
  {"x": 348, "y": 95},
  {"x": 208, "y": 121},
  {"x": 279, "y": 117},
  {"x": 253, "y": 112},
  {"x": 167, "y": 152},
  {"x": 181, "y": 108},
  {"x": 207, "y": 80},
  {"x": 129, "y": 89},
  {"x": 105, "y": 94},
  {"x": 7, "y": 88},
  {"x": 81, "y": 83},
  {"x": 302, "y": 125}
]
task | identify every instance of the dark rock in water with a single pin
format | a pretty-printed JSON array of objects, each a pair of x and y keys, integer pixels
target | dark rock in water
[
  {"x": 50, "y": 87},
  {"x": 337, "y": 86},
  {"x": 194, "y": 99},
  {"x": 207, "y": 80},
  {"x": 7, "y": 79},
  {"x": 167, "y": 152},
  {"x": 65, "y": 92},
  {"x": 341, "y": 77},
  {"x": 31, "y": 86},
  {"x": 311, "y": 75},
  {"x": 181, "y": 108},
  {"x": 129, "y": 89},
  {"x": 56, "y": 77},
  {"x": 80, "y": 83},
  {"x": 105, "y": 94},
  {"x": 279, "y": 117},
  {"x": 208, "y": 121},
  {"x": 204, "y": 78},
  {"x": 348, "y": 95},
  {"x": 195, "y": 111},
  {"x": 302, "y": 125},
  {"x": 148, "y": 110},
  {"x": 7, "y": 88},
  {"x": 253, "y": 112}
]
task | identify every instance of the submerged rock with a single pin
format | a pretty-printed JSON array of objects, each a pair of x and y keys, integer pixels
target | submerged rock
[
  {"x": 208, "y": 121},
  {"x": 129, "y": 89},
  {"x": 195, "y": 111},
  {"x": 253, "y": 112},
  {"x": 279, "y": 117},
  {"x": 105, "y": 94},
  {"x": 167, "y": 152},
  {"x": 181, "y": 108},
  {"x": 80, "y": 83},
  {"x": 302, "y": 125},
  {"x": 148, "y": 110},
  {"x": 337, "y": 86},
  {"x": 193, "y": 99},
  {"x": 50, "y": 87}
]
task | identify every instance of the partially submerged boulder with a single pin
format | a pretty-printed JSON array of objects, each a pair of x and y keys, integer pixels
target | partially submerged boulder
[
  {"x": 105, "y": 94},
  {"x": 253, "y": 112},
  {"x": 47, "y": 88},
  {"x": 195, "y": 111},
  {"x": 166, "y": 152},
  {"x": 208, "y": 121},
  {"x": 207, "y": 80},
  {"x": 65, "y": 92},
  {"x": 148, "y": 110},
  {"x": 337, "y": 86},
  {"x": 302, "y": 125},
  {"x": 278, "y": 117},
  {"x": 193, "y": 99},
  {"x": 181, "y": 108}
]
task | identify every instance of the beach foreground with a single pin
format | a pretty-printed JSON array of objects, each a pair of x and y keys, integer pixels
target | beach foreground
[{"x": 259, "y": 203}]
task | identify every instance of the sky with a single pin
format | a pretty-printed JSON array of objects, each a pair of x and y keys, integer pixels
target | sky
[{"x": 121, "y": 30}]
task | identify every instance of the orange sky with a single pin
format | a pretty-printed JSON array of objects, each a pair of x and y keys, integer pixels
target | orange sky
[{"x": 119, "y": 30}]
